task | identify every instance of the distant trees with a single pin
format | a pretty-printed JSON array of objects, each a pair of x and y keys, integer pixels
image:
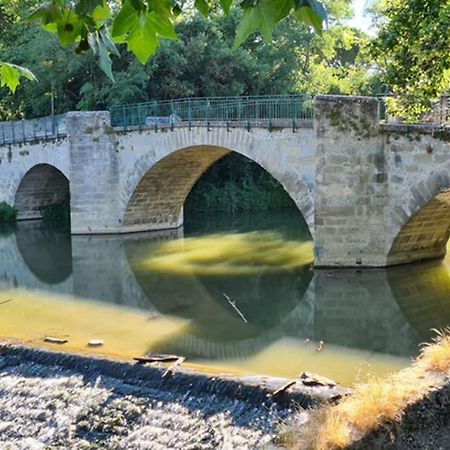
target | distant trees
[
  {"x": 412, "y": 50},
  {"x": 202, "y": 62}
]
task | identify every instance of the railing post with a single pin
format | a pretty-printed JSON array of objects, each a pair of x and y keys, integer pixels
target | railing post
[
  {"x": 13, "y": 133},
  {"x": 190, "y": 113},
  {"x": 124, "y": 118},
  {"x": 293, "y": 107},
  {"x": 23, "y": 131}
]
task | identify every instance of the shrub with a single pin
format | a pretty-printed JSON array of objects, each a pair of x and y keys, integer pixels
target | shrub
[{"x": 58, "y": 213}]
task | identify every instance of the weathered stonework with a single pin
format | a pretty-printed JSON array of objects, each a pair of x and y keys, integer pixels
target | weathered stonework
[
  {"x": 371, "y": 194},
  {"x": 351, "y": 183}
]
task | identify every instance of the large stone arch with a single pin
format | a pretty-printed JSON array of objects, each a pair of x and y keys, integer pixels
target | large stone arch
[
  {"x": 41, "y": 185},
  {"x": 163, "y": 175},
  {"x": 420, "y": 226}
]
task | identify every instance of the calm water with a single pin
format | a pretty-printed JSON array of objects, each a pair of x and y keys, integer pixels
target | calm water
[{"x": 236, "y": 295}]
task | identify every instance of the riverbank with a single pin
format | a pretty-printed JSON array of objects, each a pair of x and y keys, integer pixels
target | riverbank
[
  {"x": 407, "y": 410},
  {"x": 57, "y": 400}
]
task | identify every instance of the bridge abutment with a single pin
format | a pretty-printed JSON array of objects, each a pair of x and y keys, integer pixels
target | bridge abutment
[
  {"x": 94, "y": 173},
  {"x": 351, "y": 195}
]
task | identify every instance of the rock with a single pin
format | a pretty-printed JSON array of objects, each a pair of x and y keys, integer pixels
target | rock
[
  {"x": 53, "y": 340},
  {"x": 311, "y": 379},
  {"x": 95, "y": 343}
]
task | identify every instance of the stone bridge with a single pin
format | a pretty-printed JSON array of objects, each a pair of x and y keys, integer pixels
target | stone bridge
[{"x": 372, "y": 194}]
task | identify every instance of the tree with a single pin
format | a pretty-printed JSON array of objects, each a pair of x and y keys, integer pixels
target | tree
[
  {"x": 10, "y": 74},
  {"x": 98, "y": 25},
  {"x": 412, "y": 50},
  {"x": 200, "y": 63}
]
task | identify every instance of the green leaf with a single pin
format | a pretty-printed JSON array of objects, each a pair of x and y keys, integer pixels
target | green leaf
[
  {"x": 202, "y": 6},
  {"x": 162, "y": 25},
  {"x": 309, "y": 17},
  {"x": 101, "y": 13},
  {"x": 87, "y": 6},
  {"x": 226, "y": 5},
  {"x": 10, "y": 75},
  {"x": 311, "y": 12},
  {"x": 107, "y": 41},
  {"x": 142, "y": 40},
  {"x": 69, "y": 27},
  {"x": 125, "y": 21},
  {"x": 261, "y": 17},
  {"x": 104, "y": 60}
]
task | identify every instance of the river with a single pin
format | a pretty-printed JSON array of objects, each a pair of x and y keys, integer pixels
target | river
[{"x": 233, "y": 294}]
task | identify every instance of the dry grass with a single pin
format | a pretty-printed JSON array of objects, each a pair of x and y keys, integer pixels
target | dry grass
[
  {"x": 437, "y": 355},
  {"x": 377, "y": 402}
]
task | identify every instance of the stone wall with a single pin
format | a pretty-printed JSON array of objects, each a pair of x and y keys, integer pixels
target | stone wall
[
  {"x": 351, "y": 183},
  {"x": 419, "y": 177}
]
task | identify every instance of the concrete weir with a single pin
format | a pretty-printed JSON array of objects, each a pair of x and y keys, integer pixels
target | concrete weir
[{"x": 372, "y": 194}]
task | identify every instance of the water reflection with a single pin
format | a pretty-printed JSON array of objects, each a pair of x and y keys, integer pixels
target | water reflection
[{"x": 253, "y": 313}]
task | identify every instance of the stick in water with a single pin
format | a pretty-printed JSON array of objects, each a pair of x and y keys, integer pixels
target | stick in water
[
  {"x": 283, "y": 388},
  {"x": 233, "y": 304}
]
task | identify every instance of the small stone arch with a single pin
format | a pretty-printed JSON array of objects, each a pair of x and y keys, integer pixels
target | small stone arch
[
  {"x": 421, "y": 225},
  {"x": 158, "y": 189},
  {"x": 42, "y": 185}
]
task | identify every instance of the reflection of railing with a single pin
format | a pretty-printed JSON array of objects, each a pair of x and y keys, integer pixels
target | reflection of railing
[
  {"x": 32, "y": 130},
  {"x": 265, "y": 111}
]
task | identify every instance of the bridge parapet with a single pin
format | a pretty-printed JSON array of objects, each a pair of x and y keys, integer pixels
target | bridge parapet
[{"x": 43, "y": 128}]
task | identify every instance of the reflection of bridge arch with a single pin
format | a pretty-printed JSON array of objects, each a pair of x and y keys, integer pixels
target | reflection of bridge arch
[
  {"x": 42, "y": 185},
  {"x": 422, "y": 292},
  {"x": 47, "y": 253},
  {"x": 157, "y": 184}
]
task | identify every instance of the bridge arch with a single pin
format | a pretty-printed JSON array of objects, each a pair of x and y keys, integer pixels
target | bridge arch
[
  {"x": 163, "y": 186},
  {"x": 163, "y": 173},
  {"x": 42, "y": 185},
  {"x": 421, "y": 225}
]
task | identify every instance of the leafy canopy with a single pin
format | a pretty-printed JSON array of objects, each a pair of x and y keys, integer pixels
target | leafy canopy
[
  {"x": 412, "y": 49},
  {"x": 141, "y": 24}
]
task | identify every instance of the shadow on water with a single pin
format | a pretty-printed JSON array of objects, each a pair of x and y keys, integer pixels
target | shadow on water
[{"x": 251, "y": 305}]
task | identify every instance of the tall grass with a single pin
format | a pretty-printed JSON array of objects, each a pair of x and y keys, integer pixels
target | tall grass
[{"x": 373, "y": 404}]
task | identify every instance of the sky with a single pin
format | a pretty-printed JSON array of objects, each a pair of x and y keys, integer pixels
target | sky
[{"x": 359, "y": 20}]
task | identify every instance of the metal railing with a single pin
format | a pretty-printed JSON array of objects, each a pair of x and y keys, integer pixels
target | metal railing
[
  {"x": 229, "y": 111},
  {"x": 19, "y": 132}
]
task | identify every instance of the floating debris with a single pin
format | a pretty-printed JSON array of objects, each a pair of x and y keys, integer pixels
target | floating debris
[
  {"x": 233, "y": 304},
  {"x": 311, "y": 379},
  {"x": 284, "y": 388},
  {"x": 320, "y": 347},
  {"x": 156, "y": 357},
  {"x": 153, "y": 316},
  {"x": 53, "y": 340},
  {"x": 171, "y": 370},
  {"x": 6, "y": 301},
  {"x": 95, "y": 343}
]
